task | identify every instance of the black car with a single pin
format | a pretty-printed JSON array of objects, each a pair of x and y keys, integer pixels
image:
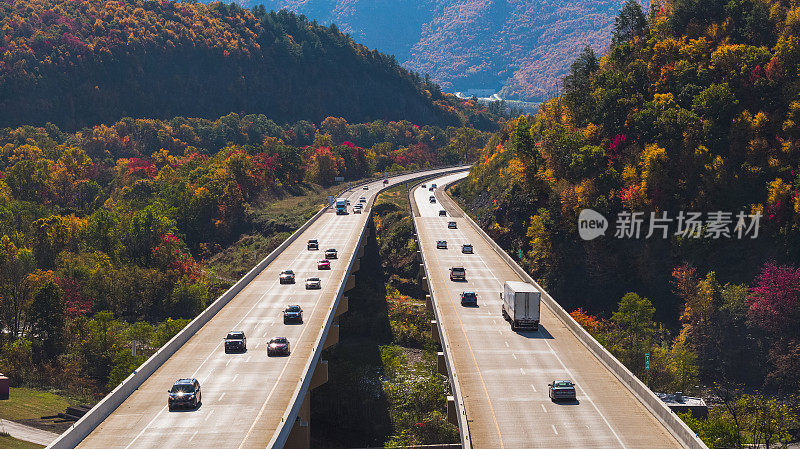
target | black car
[
  {"x": 313, "y": 244},
  {"x": 185, "y": 393},
  {"x": 293, "y": 313},
  {"x": 432, "y": 199},
  {"x": 287, "y": 277},
  {"x": 442, "y": 213},
  {"x": 278, "y": 346},
  {"x": 452, "y": 225},
  {"x": 561, "y": 390},
  {"x": 441, "y": 244},
  {"x": 235, "y": 341},
  {"x": 331, "y": 253},
  {"x": 466, "y": 248},
  {"x": 469, "y": 299}
]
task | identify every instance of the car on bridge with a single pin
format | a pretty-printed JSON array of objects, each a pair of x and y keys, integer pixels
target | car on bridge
[
  {"x": 467, "y": 249},
  {"x": 363, "y": 199},
  {"x": 442, "y": 213},
  {"x": 424, "y": 186},
  {"x": 458, "y": 274},
  {"x": 561, "y": 390},
  {"x": 441, "y": 244},
  {"x": 293, "y": 313},
  {"x": 432, "y": 199},
  {"x": 324, "y": 264},
  {"x": 235, "y": 341},
  {"x": 386, "y": 181},
  {"x": 278, "y": 346},
  {"x": 452, "y": 225},
  {"x": 313, "y": 244},
  {"x": 185, "y": 393},
  {"x": 287, "y": 277},
  {"x": 331, "y": 253},
  {"x": 469, "y": 299},
  {"x": 313, "y": 284},
  {"x": 357, "y": 210},
  {"x": 365, "y": 187}
]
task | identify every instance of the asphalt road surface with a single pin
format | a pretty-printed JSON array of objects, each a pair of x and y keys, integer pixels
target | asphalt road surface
[{"x": 504, "y": 374}]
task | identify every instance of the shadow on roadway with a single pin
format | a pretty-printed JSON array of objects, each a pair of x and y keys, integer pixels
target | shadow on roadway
[
  {"x": 542, "y": 333},
  {"x": 573, "y": 402}
]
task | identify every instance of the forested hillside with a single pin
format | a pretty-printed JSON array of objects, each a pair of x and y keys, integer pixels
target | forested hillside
[
  {"x": 695, "y": 108},
  {"x": 520, "y": 48},
  {"x": 105, "y": 233},
  {"x": 85, "y": 62}
]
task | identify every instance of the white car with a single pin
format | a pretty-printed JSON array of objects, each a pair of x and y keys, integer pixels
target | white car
[{"x": 313, "y": 283}]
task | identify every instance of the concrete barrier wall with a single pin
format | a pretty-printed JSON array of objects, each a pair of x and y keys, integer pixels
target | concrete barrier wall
[
  {"x": 463, "y": 423},
  {"x": 279, "y": 439},
  {"x": 667, "y": 417},
  {"x": 84, "y": 426}
]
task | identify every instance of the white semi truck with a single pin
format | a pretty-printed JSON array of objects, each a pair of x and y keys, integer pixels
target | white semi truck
[{"x": 521, "y": 302}]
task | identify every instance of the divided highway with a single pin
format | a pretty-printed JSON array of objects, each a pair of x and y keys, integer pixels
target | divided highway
[
  {"x": 244, "y": 395},
  {"x": 503, "y": 375}
]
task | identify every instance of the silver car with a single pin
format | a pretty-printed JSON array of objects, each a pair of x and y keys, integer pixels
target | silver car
[{"x": 313, "y": 284}]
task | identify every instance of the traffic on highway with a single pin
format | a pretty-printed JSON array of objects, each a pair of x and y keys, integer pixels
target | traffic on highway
[{"x": 525, "y": 380}]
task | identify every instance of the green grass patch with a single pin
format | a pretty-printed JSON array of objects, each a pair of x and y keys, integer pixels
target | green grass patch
[
  {"x": 27, "y": 403},
  {"x": 8, "y": 442}
]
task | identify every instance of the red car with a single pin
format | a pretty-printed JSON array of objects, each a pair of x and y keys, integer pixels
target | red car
[
  {"x": 324, "y": 264},
  {"x": 278, "y": 346}
]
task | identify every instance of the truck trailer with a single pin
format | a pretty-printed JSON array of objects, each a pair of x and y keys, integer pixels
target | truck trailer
[{"x": 521, "y": 302}]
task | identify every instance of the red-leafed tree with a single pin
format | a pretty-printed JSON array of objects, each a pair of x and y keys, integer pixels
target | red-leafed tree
[{"x": 775, "y": 300}]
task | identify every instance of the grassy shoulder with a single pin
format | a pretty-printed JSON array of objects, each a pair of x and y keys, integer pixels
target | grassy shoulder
[
  {"x": 9, "y": 442},
  {"x": 28, "y": 403}
]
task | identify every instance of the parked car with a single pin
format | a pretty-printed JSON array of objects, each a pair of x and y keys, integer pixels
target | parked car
[
  {"x": 466, "y": 248},
  {"x": 235, "y": 341},
  {"x": 469, "y": 299},
  {"x": 293, "y": 313},
  {"x": 441, "y": 244},
  {"x": 278, "y": 346},
  {"x": 313, "y": 284},
  {"x": 185, "y": 393},
  {"x": 561, "y": 390},
  {"x": 442, "y": 213},
  {"x": 331, "y": 253},
  {"x": 324, "y": 264},
  {"x": 458, "y": 274},
  {"x": 452, "y": 225},
  {"x": 313, "y": 244},
  {"x": 287, "y": 277}
]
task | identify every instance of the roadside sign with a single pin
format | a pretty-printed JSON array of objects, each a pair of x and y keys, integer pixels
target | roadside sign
[
  {"x": 330, "y": 200},
  {"x": 647, "y": 360},
  {"x": 338, "y": 178}
]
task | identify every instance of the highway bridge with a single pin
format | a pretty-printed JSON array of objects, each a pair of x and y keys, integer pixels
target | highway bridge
[
  {"x": 501, "y": 376},
  {"x": 249, "y": 400}
]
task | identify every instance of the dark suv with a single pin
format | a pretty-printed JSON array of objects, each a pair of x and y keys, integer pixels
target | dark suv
[
  {"x": 561, "y": 390},
  {"x": 293, "y": 313},
  {"x": 185, "y": 393},
  {"x": 235, "y": 341}
]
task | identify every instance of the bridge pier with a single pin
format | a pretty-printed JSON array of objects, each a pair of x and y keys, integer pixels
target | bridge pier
[
  {"x": 435, "y": 331},
  {"x": 351, "y": 283}
]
